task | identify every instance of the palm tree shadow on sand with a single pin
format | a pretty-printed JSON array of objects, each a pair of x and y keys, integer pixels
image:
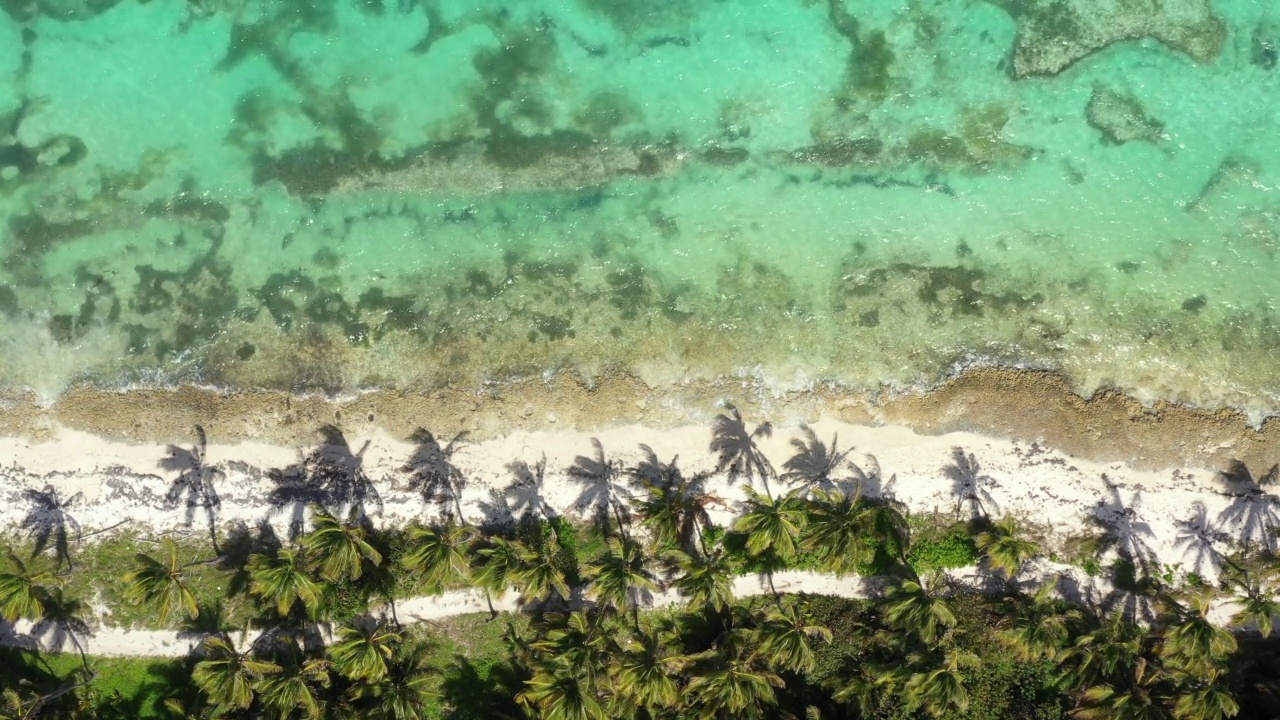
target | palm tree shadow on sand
[
  {"x": 868, "y": 480},
  {"x": 1122, "y": 530},
  {"x": 815, "y": 466},
  {"x": 523, "y": 498},
  {"x": 63, "y": 623},
  {"x": 969, "y": 486},
  {"x": 331, "y": 476},
  {"x": 194, "y": 485},
  {"x": 602, "y": 491},
  {"x": 432, "y": 472},
  {"x": 50, "y": 523},
  {"x": 1254, "y": 513},
  {"x": 1198, "y": 538},
  {"x": 737, "y": 454}
]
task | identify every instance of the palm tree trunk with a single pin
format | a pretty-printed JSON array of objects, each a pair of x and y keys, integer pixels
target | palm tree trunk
[
  {"x": 617, "y": 514},
  {"x": 63, "y": 690},
  {"x": 391, "y": 603},
  {"x": 488, "y": 598},
  {"x": 457, "y": 503},
  {"x": 84, "y": 660},
  {"x": 213, "y": 536}
]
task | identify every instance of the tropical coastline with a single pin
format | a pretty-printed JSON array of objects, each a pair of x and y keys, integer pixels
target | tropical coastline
[
  {"x": 639, "y": 359},
  {"x": 1189, "y": 525}
]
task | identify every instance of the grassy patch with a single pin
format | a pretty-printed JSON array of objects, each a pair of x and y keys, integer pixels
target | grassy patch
[
  {"x": 122, "y": 687},
  {"x": 98, "y": 569}
]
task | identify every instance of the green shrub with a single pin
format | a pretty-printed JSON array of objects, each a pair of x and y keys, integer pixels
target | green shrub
[{"x": 952, "y": 549}]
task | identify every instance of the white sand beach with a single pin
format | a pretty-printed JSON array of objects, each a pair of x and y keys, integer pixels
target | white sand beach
[{"x": 1176, "y": 518}]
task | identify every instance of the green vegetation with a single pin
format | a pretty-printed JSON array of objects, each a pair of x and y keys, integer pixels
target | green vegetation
[{"x": 583, "y": 649}]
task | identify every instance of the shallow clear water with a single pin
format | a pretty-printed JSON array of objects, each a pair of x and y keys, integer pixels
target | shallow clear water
[{"x": 343, "y": 194}]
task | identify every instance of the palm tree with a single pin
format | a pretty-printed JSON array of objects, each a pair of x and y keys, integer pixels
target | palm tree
[
  {"x": 1257, "y": 582},
  {"x": 432, "y": 472},
  {"x": 19, "y": 706},
  {"x": 940, "y": 690},
  {"x": 282, "y": 580},
  {"x": 1136, "y": 695},
  {"x": 561, "y": 696},
  {"x": 672, "y": 507},
  {"x": 737, "y": 453},
  {"x": 23, "y": 594},
  {"x": 705, "y": 580},
  {"x": 439, "y": 555},
  {"x": 1040, "y": 628},
  {"x": 195, "y": 481},
  {"x": 494, "y": 568},
  {"x": 618, "y": 578},
  {"x": 539, "y": 572},
  {"x": 814, "y": 465},
  {"x": 785, "y": 638},
  {"x": 645, "y": 672},
  {"x": 1207, "y": 702},
  {"x": 910, "y": 607},
  {"x": 340, "y": 549},
  {"x": 363, "y": 651},
  {"x": 601, "y": 477},
  {"x": 731, "y": 683},
  {"x": 27, "y": 704},
  {"x": 295, "y": 687},
  {"x": 884, "y": 521},
  {"x": 403, "y": 694},
  {"x": 1190, "y": 640},
  {"x": 1109, "y": 651},
  {"x": 161, "y": 583},
  {"x": 580, "y": 642},
  {"x": 49, "y": 519},
  {"x": 771, "y": 524},
  {"x": 227, "y": 676},
  {"x": 836, "y": 532},
  {"x": 1006, "y": 548}
]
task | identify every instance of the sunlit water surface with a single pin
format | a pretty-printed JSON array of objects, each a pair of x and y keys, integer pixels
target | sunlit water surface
[{"x": 345, "y": 194}]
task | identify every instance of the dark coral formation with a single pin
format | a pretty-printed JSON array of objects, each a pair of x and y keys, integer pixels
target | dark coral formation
[
  {"x": 1121, "y": 118},
  {"x": 1054, "y": 34}
]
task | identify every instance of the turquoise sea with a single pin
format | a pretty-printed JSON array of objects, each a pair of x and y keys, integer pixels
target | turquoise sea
[{"x": 336, "y": 195}]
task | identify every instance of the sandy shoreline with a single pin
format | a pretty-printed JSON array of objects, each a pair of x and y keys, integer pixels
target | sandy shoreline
[
  {"x": 1037, "y": 481},
  {"x": 1017, "y": 442},
  {"x": 1024, "y": 405}
]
